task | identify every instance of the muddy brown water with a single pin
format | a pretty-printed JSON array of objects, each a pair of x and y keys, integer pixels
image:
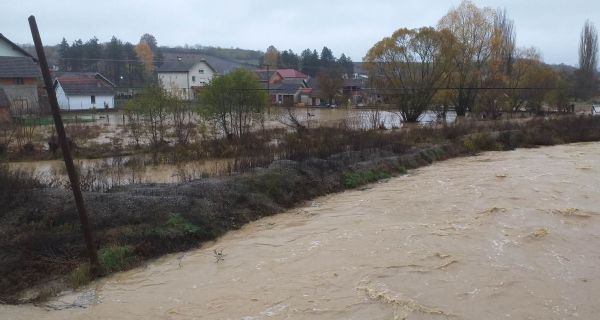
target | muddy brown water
[
  {"x": 48, "y": 170},
  {"x": 115, "y": 175},
  {"x": 502, "y": 235}
]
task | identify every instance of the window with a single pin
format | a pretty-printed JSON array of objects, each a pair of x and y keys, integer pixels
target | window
[
  {"x": 193, "y": 78},
  {"x": 93, "y": 99},
  {"x": 201, "y": 71},
  {"x": 19, "y": 81}
]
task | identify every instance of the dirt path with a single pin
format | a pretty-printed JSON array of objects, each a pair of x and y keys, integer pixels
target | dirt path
[{"x": 501, "y": 235}]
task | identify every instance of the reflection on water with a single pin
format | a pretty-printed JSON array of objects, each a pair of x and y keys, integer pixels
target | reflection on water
[
  {"x": 103, "y": 174},
  {"x": 118, "y": 171},
  {"x": 354, "y": 118},
  {"x": 467, "y": 238}
]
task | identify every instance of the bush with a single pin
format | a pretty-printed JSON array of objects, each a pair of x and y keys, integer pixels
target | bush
[
  {"x": 355, "y": 179},
  {"x": 80, "y": 276},
  {"x": 13, "y": 183},
  {"x": 481, "y": 142},
  {"x": 177, "y": 226},
  {"x": 115, "y": 258}
]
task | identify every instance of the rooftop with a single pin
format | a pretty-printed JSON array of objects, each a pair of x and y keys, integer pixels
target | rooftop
[
  {"x": 18, "y": 67},
  {"x": 16, "y": 47},
  {"x": 85, "y": 84},
  {"x": 184, "y": 62}
]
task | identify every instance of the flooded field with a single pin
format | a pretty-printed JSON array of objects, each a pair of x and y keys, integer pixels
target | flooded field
[
  {"x": 117, "y": 171},
  {"x": 503, "y": 235}
]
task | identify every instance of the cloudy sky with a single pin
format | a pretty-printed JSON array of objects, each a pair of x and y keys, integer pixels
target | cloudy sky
[{"x": 345, "y": 26}]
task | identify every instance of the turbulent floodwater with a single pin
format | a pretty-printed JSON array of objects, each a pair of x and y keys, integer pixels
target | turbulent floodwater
[{"x": 496, "y": 236}]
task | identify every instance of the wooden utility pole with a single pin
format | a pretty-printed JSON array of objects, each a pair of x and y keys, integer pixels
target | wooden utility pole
[{"x": 64, "y": 145}]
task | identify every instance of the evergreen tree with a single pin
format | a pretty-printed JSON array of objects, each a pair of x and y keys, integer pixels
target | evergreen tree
[
  {"x": 134, "y": 72},
  {"x": 309, "y": 62},
  {"x": 92, "y": 53},
  {"x": 64, "y": 55},
  {"x": 327, "y": 58},
  {"x": 114, "y": 56},
  {"x": 290, "y": 60},
  {"x": 346, "y": 65},
  {"x": 76, "y": 56}
]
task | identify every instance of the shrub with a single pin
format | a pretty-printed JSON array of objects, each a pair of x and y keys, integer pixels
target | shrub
[
  {"x": 115, "y": 258},
  {"x": 13, "y": 183},
  {"x": 480, "y": 142},
  {"x": 176, "y": 226},
  {"x": 80, "y": 276},
  {"x": 355, "y": 179}
]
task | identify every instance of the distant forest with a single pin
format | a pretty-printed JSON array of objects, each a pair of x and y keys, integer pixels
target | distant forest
[{"x": 134, "y": 65}]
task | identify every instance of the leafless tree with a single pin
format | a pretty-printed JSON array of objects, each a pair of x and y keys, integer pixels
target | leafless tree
[
  {"x": 588, "y": 60},
  {"x": 505, "y": 40}
]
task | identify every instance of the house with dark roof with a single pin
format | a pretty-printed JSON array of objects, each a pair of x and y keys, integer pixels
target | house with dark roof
[
  {"x": 312, "y": 95},
  {"x": 287, "y": 92},
  {"x": 19, "y": 76},
  {"x": 278, "y": 75},
  {"x": 184, "y": 75},
  {"x": 84, "y": 91},
  {"x": 285, "y": 85}
]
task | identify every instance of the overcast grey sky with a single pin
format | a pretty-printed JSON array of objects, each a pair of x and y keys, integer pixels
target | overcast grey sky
[{"x": 345, "y": 26}]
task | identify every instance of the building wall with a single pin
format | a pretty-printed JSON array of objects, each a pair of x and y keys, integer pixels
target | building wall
[
  {"x": 13, "y": 81},
  {"x": 275, "y": 78},
  {"x": 200, "y": 75},
  {"x": 7, "y": 50},
  {"x": 75, "y": 103},
  {"x": 61, "y": 97},
  {"x": 23, "y": 98},
  {"x": 175, "y": 83},
  {"x": 308, "y": 100},
  {"x": 181, "y": 83},
  {"x": 4, "y": 116}
]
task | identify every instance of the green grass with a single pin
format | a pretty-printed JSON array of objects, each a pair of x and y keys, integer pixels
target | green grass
[
  {"x": 358, "y": 178},
  {"x": 177, "y": 226},
  {"x": 115, "y": 258},
  {"x": 80, "y": 276}
]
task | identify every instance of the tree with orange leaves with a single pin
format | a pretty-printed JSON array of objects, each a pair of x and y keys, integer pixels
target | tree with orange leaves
[{"x": 144, "y": 53}]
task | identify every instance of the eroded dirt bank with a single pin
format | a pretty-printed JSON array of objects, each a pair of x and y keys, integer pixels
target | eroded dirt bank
[{"x": 501, "y": 235}]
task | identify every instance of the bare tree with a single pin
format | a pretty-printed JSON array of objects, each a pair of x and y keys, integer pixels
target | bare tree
[
  {"x": 473, "y": 29},
  {"x": 588, "y": 60},
  {"x": 505, "y": 41},
  {"x": 408, "y": 67}
]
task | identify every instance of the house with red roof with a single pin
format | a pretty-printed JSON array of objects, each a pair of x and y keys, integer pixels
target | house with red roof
[
  {"x": 285, "y": 85},
  {"x": 278, "y": 75},
  {"x": 77, "y": 91}
]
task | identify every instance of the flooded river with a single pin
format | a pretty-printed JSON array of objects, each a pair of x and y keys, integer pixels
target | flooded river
[{"x": 503, "y": 235}]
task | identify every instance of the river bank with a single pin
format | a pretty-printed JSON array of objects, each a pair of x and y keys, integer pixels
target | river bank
[{"x": 502, "y": 234}]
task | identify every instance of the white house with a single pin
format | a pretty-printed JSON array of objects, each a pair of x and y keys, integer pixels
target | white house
[
  {"x": 183, "y": 77},
  {"x": 84, "y": 91},
  {"x": 184, "y": 74}
]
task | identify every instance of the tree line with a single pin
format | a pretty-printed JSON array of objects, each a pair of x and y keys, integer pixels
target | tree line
[
  {"x": 470, "y": 62},
  {"x": 124, "y": 63},
  {"x": 309, "y": 62}
]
